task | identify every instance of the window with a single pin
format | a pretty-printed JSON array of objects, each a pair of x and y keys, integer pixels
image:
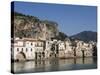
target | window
[
  {"x": 26, "y": 49},
  {"x": 88, "y": 45},
  {"x": 17, "y": 49},
  {"x": 22, "y": 49},
  {"x": 31, "y": 49},
  {"x": 43, "y": 54},
  {"x": 82, "y": 43},
  {"x": 31, "y": 44}
]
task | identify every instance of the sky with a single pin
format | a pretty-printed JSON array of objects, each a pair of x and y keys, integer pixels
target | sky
[{"x": 71, "y": 19}]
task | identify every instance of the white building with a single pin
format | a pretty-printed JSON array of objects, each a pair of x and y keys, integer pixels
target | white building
[
  {"x": 27, "y": 49},
  {"x": 31, "y": 49},
  {"x": 84, "y": 49}
]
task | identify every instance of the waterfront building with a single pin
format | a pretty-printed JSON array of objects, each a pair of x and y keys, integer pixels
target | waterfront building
[
  {"x": 84, "y": 49},
  {"x": 27, "y": 49},
  {"x": 34, "y": 49}
]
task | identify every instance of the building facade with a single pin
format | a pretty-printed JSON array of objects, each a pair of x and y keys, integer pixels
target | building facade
[
  {"x": 33, "y": 49},
  {"x": 27, "y": 49}
]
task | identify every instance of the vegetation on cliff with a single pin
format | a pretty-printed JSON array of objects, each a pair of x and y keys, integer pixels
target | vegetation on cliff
[{"x": 32, "y": 27}]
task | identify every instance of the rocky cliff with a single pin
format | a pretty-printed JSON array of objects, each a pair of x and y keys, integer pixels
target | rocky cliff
[{"x": 32, "y": 27}]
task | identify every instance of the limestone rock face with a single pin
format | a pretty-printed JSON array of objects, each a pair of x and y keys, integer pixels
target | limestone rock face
[{"x": 32, "y": 27}]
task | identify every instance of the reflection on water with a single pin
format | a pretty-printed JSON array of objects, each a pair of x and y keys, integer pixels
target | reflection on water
[{"x": 54, "y": 65}]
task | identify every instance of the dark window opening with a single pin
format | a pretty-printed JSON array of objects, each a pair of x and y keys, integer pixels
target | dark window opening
[
  {"x": 31, "y": 49},
  {"x": 31, "y": 44},
  {"x": 26, "y": 49},
  {"x": 22, "y": 49},
  {"x": 17, "y": 49}
]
